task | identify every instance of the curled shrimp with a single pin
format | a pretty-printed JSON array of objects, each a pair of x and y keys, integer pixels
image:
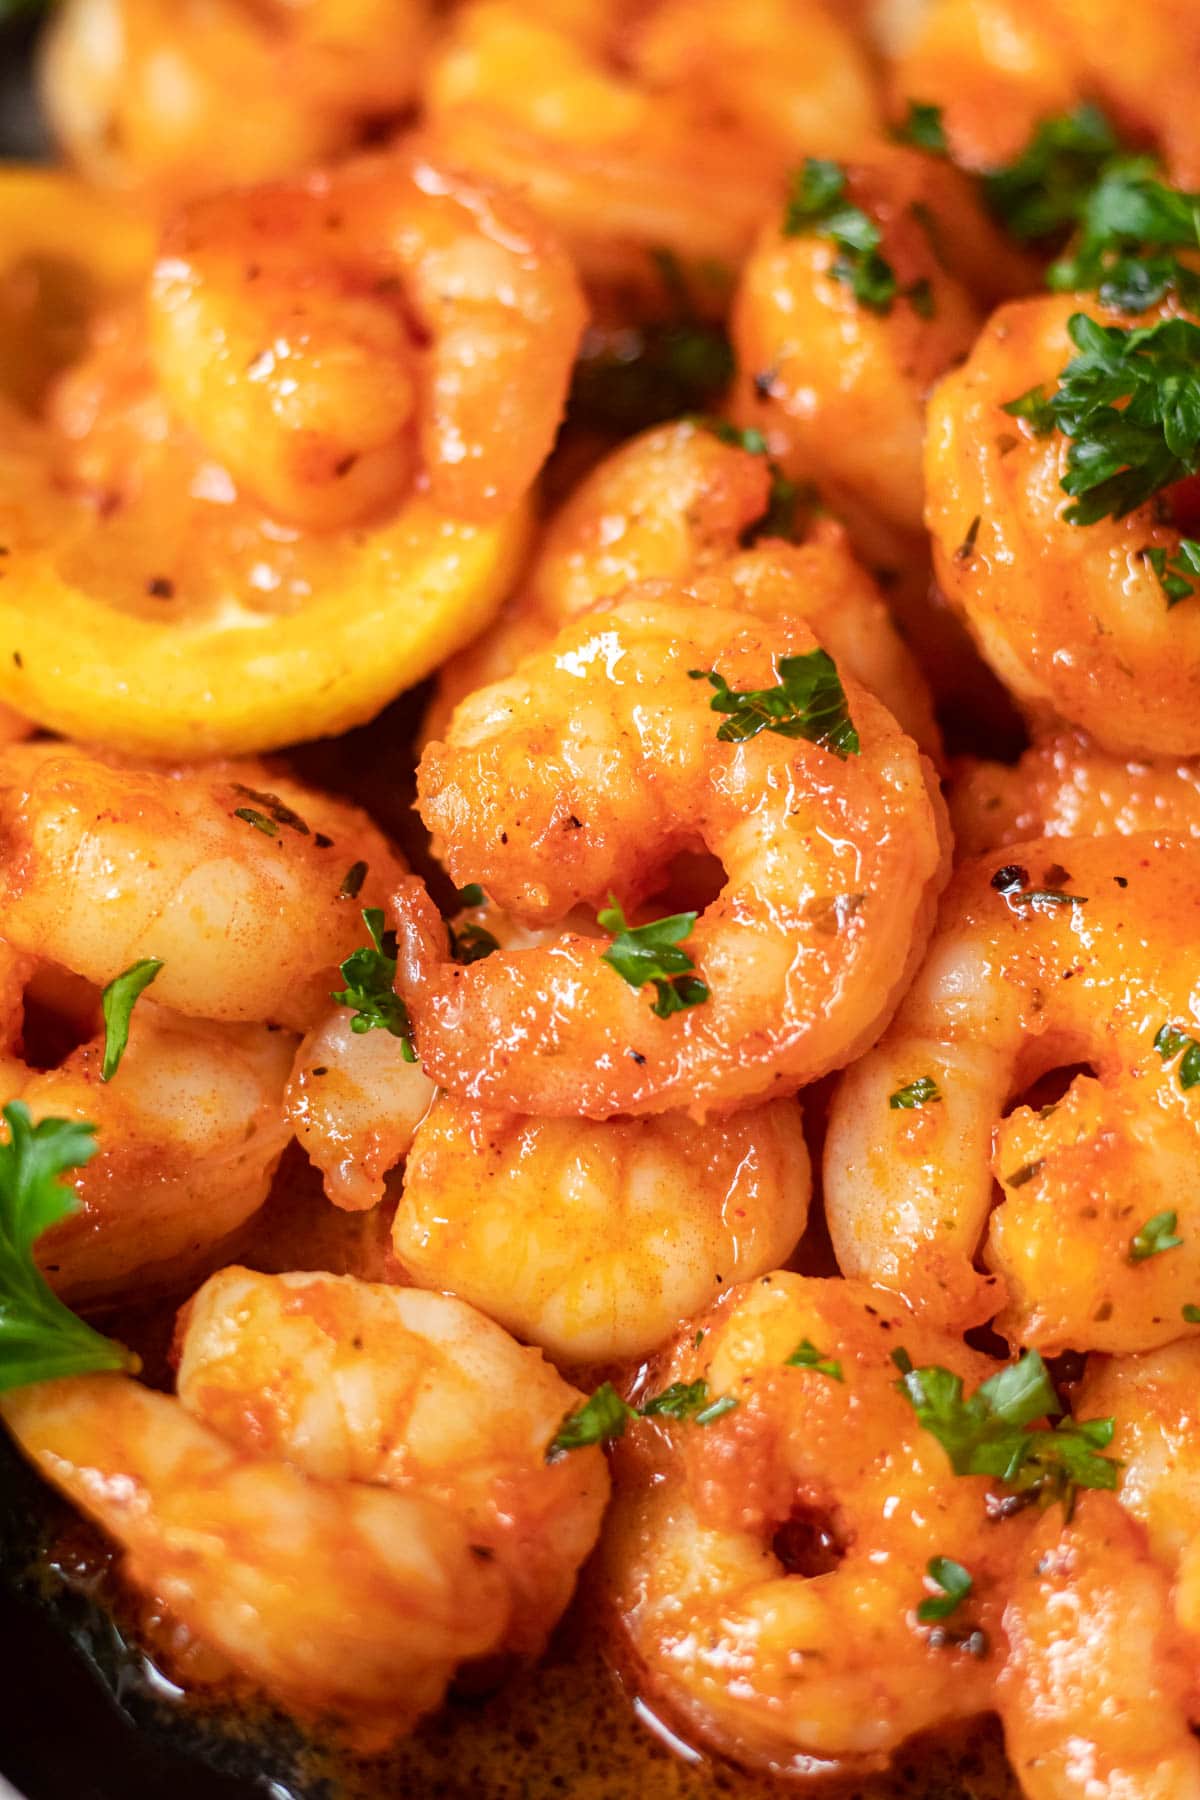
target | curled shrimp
[
  {"x": 413, "y": 1392},
  {"x": 1063, "y": 786},
  {"x": 586, "y": 773},
  {"x": 235, "y": 877},
  {"x": 361, "y": 1608},
  {"x": 765, "y": 1568},
  {"x": 1047, "y": 955},
  {"x": 1095, "y": 1694},
  {"x": 838, "y": 383},
  {"x": 676, "y": 502},
  {"x": 1072, "y": 617},
  {"x": 332, "y": 337},
  {"x": 172, "y": 99},
  {"x": 593, "y": 1239}
]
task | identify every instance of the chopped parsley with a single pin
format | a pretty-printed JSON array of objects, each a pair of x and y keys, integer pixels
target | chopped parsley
[
  {"x": 603, "y": 1418},
  {"x": 924, "y": 1091},
  {"x": 807, "y": 701},
  {"x": 277, "y": 811},
  {"x": 470, "y": 943},
  {"x": 1012, "y": 881},
  {"x": 1176, "y": 571},
  {"x": 784, "y": 495},
  {"x": 1042, "y": 192},
  {"x": 1130, "y": 223},
  {"x": 643, "y": 954},
  {"x": 807, "y": 1356},
  {"x": 471, "y": 895},
  {"x": 990, "y": 1433},
  {"x": 117, "y": 1004},
  {"x": 40, "y": 1338},
  {"x": 1155, "y": 1236},
  {"x": 370, "y": 975},
  {"x": 260, "y": 821},
  {"x": 352, "y": 881},
  {"x": 922, "y": 127},
  {"x": 1191, "y": 1314},
  {"x": 817, "y": 206},
  {"x": 954, "y": 1583},
  {"x": 1169, "y": 1041},
  {"x": 1130, "y": 404}
]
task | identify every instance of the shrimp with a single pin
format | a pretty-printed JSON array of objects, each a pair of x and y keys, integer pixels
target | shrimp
[
  {"x": 998, "y": 68},
  {"x": 331, "y": 338},
  {"x": 765, "y": 1568},
  {"x": 170, "y": 99},
  {"x": 336, "y": 1597},
  {"x": 594, "y": 1239},
  {"x": 1047, "y": 955},
  {"x": 189, "y": 1134},
  {"x": 1072, "y": 617},
  {"x": 234, "y": 876},
  {"x": 1063, "y": 786},
  {"x": 585, "y": 774},
  {"x": 675, "y": 502},
  {"x": 838, "y": 383},
  {"x": 412, "y": 1392},
  {"x": 1094, "y": 1696}
]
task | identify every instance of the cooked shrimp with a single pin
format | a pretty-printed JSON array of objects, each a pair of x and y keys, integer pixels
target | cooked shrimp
[
  {"x": 189, "y": 1134},
  {"x": 1047, "y": 955},
  {"x": 836, "y": 383},
  {"x": 173, "y": 98},
  {"x": 1094, "y": 1696},
  {"x": 409, "y": 1391},
  {"x": 330, "y": 337},
  {"x": 672, "y": 503},
  {"x": 766, "y": 1567},
  {"x": 336, "y": 1597},
  {"x": 235, "y": 877},
  {"x": 586, "y": 773},
  {"x": 1072, "y": 617},
  {"x": 1064, "y": 786},
  {"x": 595, "y": 1239},
  {"x": 1000, "y": 67}
]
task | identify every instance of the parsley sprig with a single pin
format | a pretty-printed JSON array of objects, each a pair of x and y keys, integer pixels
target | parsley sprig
[
  {"x": 40, "y": 1338},
  {"x": 991, "y": 1432},
  {"x": 1130, "y": 225},
  {"x": 1155, "y": 1236},
  {"x": 955, "y": 1584},
  {"x": 1177, "y": 572},
  {"x": 817, "y": 206},
  {"x": 1042, "y": 192},
  {"x": 604, "y": 1416},
  {"x": 924, "y": 1091},
  {"x": 644, "y": 954},
  {"x": 370, "y": 975},
  {"x": 807, "y": 1356},
  {"x": 807, "y": 701},
  {"x": 117, "y": 1003},
  {"x": 922, "y": 127},
  {"x": 1130, "y": 404}
]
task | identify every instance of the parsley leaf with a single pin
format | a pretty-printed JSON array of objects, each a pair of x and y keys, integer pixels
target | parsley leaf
[
  {"x": 784, "y": 495},
  {"x": 1169, "y": 1041},
  {"x": 1191, "y": 1314},
  {"x": 649, "y": 953},
  {"x": 117, "y": 1003},
  {"x": 40, "y": 1338},
  {"x": 808, "y": 701},
  {"x": 922, "y": 127},
  {"x": 924, "y": 1091},
  {"x": 955, "y": 1583},
  {"x": 1129, "y": 224},
  {"x": 1043, "y": 190},
  {"x": 603, "y": 1418},
  {"x": 817, "y": 205},
  {"x": 1176, "y": 572},
  {"x": 1155, "y": 1236},
  {"x": 807, "y": 1356},
  {"x": 370, "y": 975},
  {"x": 989, "y": 1433}
]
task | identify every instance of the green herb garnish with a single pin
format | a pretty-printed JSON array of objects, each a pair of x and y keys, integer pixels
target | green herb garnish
[
  {"x": 817, "y": 206},
  {"x": 644, "y": 954},
  {"x": 1177, "y": 572},
  {"x": 807, "y": 1356},
  {"x": 989, "y": 1434},
  {"x": 1130, "y": 223},
  {"x": 807, "y": 701},
  {"x": 603, "y": 1418},
  {"x": 1155, "y": 1236},
  {"x": 924, "y": 1091},
  {"x": 955, "y": 1584},
  {"x": 1043, "y": 191},
  {"x": 40, "y": 1338},
  {"x": 352, "y": 881},
  {"x": 276, "y": 810},
  {"x": 117, "y": 1003},
  {"x": 370, "y": 975},
  {"x": 1191, "y": 1314},
  {"x": 922, "y": 127},
  {"x": 1169, "y": 1041}
]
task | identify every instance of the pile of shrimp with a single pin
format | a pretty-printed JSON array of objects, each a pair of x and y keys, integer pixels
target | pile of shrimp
[{"x": 599, "y": 851}]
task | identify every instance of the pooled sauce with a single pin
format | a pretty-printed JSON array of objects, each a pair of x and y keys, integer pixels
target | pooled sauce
[{"x": 567, "y": 1727}]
